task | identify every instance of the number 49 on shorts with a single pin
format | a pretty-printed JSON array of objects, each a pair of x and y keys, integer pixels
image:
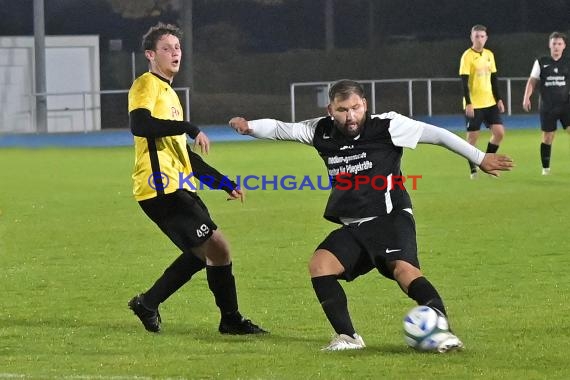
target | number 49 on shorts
[{"x": 202, "y": 231}]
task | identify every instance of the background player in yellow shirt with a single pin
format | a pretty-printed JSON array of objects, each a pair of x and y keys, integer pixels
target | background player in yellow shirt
[
  {"x": 164, "y": 186},
  {"x": 481, "y": 97}
]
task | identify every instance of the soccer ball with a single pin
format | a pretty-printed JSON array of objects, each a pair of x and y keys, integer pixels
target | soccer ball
[{"x": 425, "y": 328}]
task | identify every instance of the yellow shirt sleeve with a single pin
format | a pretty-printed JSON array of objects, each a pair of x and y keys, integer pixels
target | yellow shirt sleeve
[
  {"x": 143, "y": 93},
  {"x": 465, "y": 64}
]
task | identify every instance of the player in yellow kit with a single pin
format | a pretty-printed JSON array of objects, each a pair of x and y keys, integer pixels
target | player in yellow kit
[
  {"x": 164, "y": 186},
  {"x": 481, "y": 97}
]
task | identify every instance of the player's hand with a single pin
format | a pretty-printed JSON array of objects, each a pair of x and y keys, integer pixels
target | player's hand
[
  {"x": 494, "y": 163},
  {"x": 240, "y": 125},
  {"x": 501, "y": 106},
  {"x": 203, "y": 141},
  {"x": 469, "y": 111},
  {"x": 526, "y": 105},
  {"x": 236, "y": 194}
]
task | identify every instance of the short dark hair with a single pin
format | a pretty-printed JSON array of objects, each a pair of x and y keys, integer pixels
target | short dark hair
[
  {"x": 557, "y": 35},
  {"x": 478, "y": 28},
  {"x": 156, "y": 32},
  {"x": 344, "y": 88}
]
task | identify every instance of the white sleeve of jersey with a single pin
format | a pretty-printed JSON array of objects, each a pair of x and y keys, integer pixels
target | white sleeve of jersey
[
  {"x": 272, "y": 129},
  {"x": 408, "y": 133},
  {"x": 535, "y": 72},
  {"x": 439, "y": 136},
  {"x": 405, "y": 132}
]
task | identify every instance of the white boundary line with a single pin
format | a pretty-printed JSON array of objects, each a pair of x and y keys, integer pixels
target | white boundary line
[{"x": 82, "y": 377}]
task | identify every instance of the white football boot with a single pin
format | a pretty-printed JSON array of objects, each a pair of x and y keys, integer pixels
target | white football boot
[
  {"x": 341, "y": 342},
  {"x": 449, "y": 343}
]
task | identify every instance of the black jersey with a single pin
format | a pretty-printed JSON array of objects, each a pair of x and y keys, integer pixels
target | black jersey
[
  {"x": 374, "y": 157},
  {"x": 365, "y": 170},
  {"x": 554, "y": 82}
]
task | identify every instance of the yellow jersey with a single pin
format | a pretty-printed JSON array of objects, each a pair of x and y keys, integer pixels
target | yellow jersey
[
  {"x": 479, "y": 66},
  {"x": 162, "y": 165}
]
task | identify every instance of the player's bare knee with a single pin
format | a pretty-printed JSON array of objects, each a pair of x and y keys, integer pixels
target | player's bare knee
[
  {"x": 548, "y": 138},
  {"x": 217, "y": 250},
  {"x": 218, "y": 257},
  {"x": 324, "y": 263},
  {"x": 405, "y": 273},
  {"x": 472, "y": 137},
  {"x": 315, "y": 267},
  {"x": 498, "y": 132}
]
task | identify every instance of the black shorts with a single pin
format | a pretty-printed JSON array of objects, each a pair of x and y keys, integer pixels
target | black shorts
[
  {"x": 182, "y": 216},
  {"x": 487, "y": 115},
  {"x": 549, "y": 118},
  {"x": 373, "y": 244}
]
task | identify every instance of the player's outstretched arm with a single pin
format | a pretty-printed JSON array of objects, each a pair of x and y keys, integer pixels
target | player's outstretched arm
[
  {"x": 488, "y": 162},
  {"x": 271, "y": 129},
  {"x": 240, "y": 125},
  {"x": 494, "y": 163}
]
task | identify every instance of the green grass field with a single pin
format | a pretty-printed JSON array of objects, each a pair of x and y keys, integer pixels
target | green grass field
[{"x": 75, "y": 247}]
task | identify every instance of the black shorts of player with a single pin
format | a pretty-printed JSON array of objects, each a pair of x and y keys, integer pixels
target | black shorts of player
[
  {"x": 182, "y": 216},
  {"x": 487, "y": 115},
  {"x": 548, "y": 119},
  {"x": 373, "y": 244}
]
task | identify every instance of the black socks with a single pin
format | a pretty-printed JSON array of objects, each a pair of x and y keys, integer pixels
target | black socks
[
  {"x": 545, "y": 151},
  {"x": 222, "y": 283},
  {"x": 492, "y": 148},
  {"x": 333, "y": 300},
  {"x": 472, "y": 167},
  {"x": 176, "y": 275},
  {"x": 423, "y": 292}
]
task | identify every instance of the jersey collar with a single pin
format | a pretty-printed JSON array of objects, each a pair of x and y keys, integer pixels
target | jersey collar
[{"x": 161, "y": 78}]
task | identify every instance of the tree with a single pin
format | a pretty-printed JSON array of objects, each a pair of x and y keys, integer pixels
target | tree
[
  {"x": 154, "y": 8},
  {"x": 143, "y": 8},
  {"x": 328, "y": 10}
]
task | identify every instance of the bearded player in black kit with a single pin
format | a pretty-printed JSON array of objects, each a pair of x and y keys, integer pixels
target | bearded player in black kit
[{"x": 377, "y": 227}]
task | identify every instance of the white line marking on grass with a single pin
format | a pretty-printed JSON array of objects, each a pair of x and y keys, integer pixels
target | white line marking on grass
[{"x": 82, "y": 377}]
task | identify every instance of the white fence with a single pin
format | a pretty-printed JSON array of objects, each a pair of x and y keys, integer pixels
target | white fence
[
  {"x": 83, "y": 109},
  {"x": 411, "y": 85}
]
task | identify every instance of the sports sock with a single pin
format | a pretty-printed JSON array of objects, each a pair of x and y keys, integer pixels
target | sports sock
[
  {"x": 176, "y": 275},
  {"x": 545, "y": 151},
  {"x": 492, "y": 148},
  {"x": 333, "y": 300},
  {"x": 424, "y": 293},
  {"x": 222, "y": 283},
  {"x": 472, "y": 167}
]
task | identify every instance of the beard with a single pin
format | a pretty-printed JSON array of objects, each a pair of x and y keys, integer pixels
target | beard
[{"x": 351, "y": 129}]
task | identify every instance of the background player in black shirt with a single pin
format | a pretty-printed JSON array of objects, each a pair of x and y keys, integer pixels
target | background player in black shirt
[
  {"x": 377, "y": 226},
  {"x": 551, "y": 74}
]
